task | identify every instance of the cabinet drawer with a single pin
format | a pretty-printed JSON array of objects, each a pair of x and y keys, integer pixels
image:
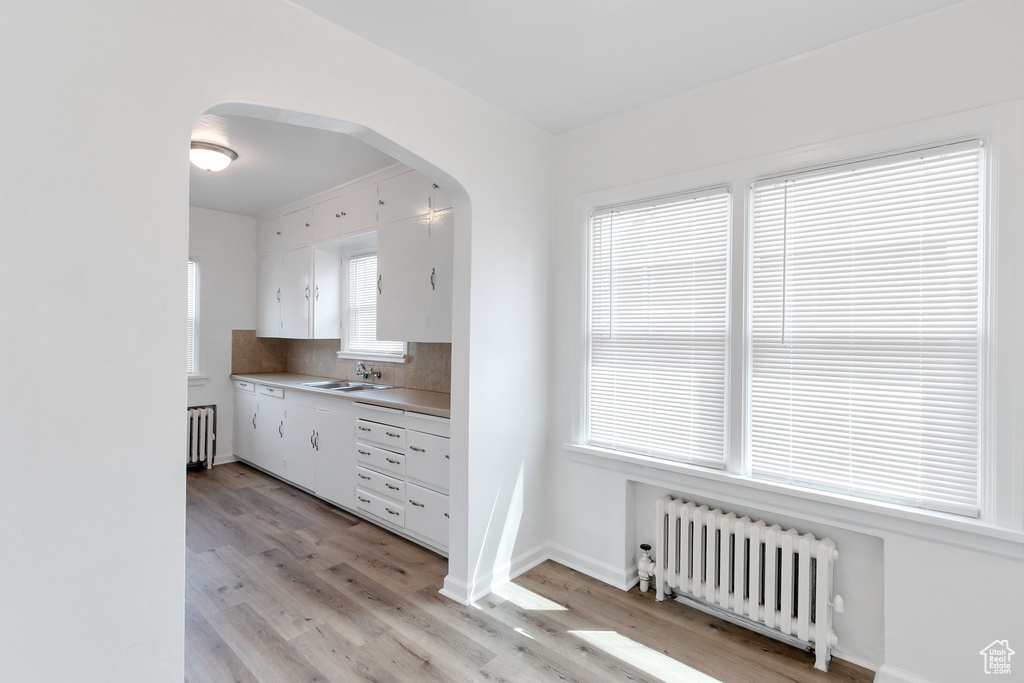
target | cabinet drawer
[
  {"x": 380, "y": 483},
  {"x": 387, "y": 510},
  {"x": 245, "y": 386},
  {"x": 276, "y": 392},
  {"x": 427, "y": 514},
  {"x": 380, "y": 459},
  {"x": 385, "y": 435},
  {"x": 427, "y": 459}
]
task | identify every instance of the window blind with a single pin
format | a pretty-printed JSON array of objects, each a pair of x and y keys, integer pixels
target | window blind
[
  {"x": 866, "y": 340},
  {"x": 362, "y": 308},
  {"x": 658, "y": 315},
  {"x": 193, "y": 292}
]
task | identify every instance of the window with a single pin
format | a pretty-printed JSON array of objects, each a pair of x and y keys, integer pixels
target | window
[
  {"x": 192, "y": 348},
  {"x": 361, "y": 309},
  {"x": 866, "y": 319},
  {"x": 657, "y": 335},
  {"x": 863, "y": 330}
]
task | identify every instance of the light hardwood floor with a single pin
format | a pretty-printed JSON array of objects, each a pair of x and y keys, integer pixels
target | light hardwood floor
[{"x": 283, "y": 587}]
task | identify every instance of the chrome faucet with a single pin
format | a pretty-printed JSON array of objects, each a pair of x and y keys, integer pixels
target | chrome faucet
[{"x": 364, "y": 373}]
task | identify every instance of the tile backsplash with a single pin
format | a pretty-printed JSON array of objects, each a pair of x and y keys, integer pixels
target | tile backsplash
[{"x": 428, "y": 366}]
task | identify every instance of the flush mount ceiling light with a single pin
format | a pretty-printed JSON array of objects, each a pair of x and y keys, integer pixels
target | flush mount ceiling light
[{"x": 210, "y": 157}]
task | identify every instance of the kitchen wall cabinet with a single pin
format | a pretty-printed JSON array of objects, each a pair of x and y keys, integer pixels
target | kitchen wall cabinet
[
  {"x": 297, "y": 228},
  {"x": 268, "y": 295},
  {"x": 414, "y": 265},
  {"x": 350, "y": 213},
  {"x": 296, "y": 293},
  {"x": 404, "y": 196},
  {"x": 326, "y": 294}
]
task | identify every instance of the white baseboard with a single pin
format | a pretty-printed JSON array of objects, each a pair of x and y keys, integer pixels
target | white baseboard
[
  {"x": 621, "y": 578},
  {"x": 890, "y": 674},
  {"x": 466, "y": 594},
  {"x": 224, "y": 460}
]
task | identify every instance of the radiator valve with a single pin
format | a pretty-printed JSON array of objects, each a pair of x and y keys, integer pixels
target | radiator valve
[{"x": 645, "y": 567}]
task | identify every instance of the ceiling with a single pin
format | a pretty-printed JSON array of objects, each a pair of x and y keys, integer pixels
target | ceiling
[
  {"x": 278, "y": 163},
  {"x": 563, "y": 63}
]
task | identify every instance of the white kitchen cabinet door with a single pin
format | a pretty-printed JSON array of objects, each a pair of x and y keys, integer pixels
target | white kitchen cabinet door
[
  {"x": 296, "y": 293},
  {"x": 403, "y": 279},
  {"x": 268, "y": 294},
  {"x": 438, "y": 312},
  {"x": 404, "y": 196},
  {"x": 334, "y": 476},
  {"x": 427, "y": 460},
  {"x": 297, "y": 228},
  {"x": 268, "y": 235},
  {"x": 326, "y": 294},
  {"x": 244, "y": 438},
  {"x": 300, "y": 445},
  {"x": 426, "y": 514},
  {"x": 361, "y": 209},
  {"x": 270, "y": 433},
  {"x": 329, "y": 219}
]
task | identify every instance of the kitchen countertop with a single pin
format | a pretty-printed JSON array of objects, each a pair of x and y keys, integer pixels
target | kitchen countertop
[{"x": 413, "y": 400}]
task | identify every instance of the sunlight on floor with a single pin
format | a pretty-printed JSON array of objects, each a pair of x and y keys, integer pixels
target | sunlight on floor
[
  {"x": 643, "y": 657},
  {"x": 527, "y": 599}
]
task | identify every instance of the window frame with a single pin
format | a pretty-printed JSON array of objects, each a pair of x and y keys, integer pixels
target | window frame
[
  {"x": 364, "y": 246},
  {"x": 999, "y": 529}
]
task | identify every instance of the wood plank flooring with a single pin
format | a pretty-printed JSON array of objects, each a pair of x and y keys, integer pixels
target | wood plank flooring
[{"x": 283, "y": 587}]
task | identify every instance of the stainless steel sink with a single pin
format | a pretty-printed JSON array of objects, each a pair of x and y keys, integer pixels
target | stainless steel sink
[{"x": 342, "y": 385}]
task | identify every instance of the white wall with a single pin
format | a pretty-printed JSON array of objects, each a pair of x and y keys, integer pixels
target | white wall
[
  {"x": 100, "y": 102},
  {"x": 225, "y": 244},
  {"x": 880, "y": 90}
]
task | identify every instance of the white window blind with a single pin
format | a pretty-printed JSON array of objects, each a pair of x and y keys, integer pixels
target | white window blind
[
  {"x": 658, "y": 314},
  {"x": 866, "y": 337},
  {"x": 362, "y": 308},
  {"x": 193, "y": 312}
]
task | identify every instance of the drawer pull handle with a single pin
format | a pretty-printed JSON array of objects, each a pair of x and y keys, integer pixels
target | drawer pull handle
[
  {"x": 367, "y": 453},
  {"x": 365, "y": 500},
  {"x": 392, "y": 512},
  {"x": 363, "y": 476},
  {"x": 365, "y": 429},
  {"x": 254, "y": 420},
  {"x": 418, "y": 450},
  {"x": 393, "y": 488},
  {"x": 393, "y": 462},
  {"x": 242, "y": 384},
  {"x": 280, "y": 429},
  {"x": 393, "y": 435},
  {"x": 446, "y": 516},
  {"x": 419, "y": 505}
]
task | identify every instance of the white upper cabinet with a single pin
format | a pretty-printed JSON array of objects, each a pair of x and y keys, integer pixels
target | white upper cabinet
[
  {"x": 353, "y": 212},
  {"x": 326, "y": 294},
  {"x": 268, "y": 235},
  {"x": 414, "y": 265},
  {"x": 296, "y": 293},
  {"x": 268, "y": 295},
  {"x": 404, "y": 196},
  {"x": 297, "y": 228}
]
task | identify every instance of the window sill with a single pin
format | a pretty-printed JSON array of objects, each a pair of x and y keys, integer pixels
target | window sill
[
  {"x": 783, "y": 499},
  {"x": 197, "y": 380},
  {"x": 379, "y": 357}
]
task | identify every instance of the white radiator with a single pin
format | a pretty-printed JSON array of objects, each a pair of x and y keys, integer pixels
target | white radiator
[
  {"x": 202, "y": 432},
  {"x": 776, "y": 580}
]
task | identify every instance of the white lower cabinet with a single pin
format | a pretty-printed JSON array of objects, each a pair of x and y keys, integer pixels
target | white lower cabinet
[
  {"x": 426, "y": 513},
  {"x": 389, "y": 464}
]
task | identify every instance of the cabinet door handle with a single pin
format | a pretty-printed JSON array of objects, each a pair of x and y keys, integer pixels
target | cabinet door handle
[
  {"x": 381, "y": 202},
  {"x": 367, "y": 453},
  {"x": 419, "y": 505},
  {"x": 365, "y": 429},
  {"x": 317, "y": 297},
  {"x": 363, "y": 476},
  {"x": 446, "y": 516},
  {"x": 254, "y": 420},
  {"x": 365, "y": 500},
  {"x": 378, "y": 284},
  {"x": 393, "y": 462},
  {"x": 393, "y": 488},
  {"x": 278, "y": 295},
  {"x": 393, "y": 435},
  {"x": 435, "y": 186},
  {"x": 316, "y": 443},
  {"x": 432, "y": 279},
  {"x": 447, "y": 457},
  {"x": 307, "y": 225},
  {"x": 313, "y": 445},
  {"x": 280, "y": 429},
  {"x": 392, "y": 512},
  {"x": 418, "y": 450},
  {"x": 307, "y": 292},
  {"x": 278, "y": 232},
  {"x": 339, "y": 215}
]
